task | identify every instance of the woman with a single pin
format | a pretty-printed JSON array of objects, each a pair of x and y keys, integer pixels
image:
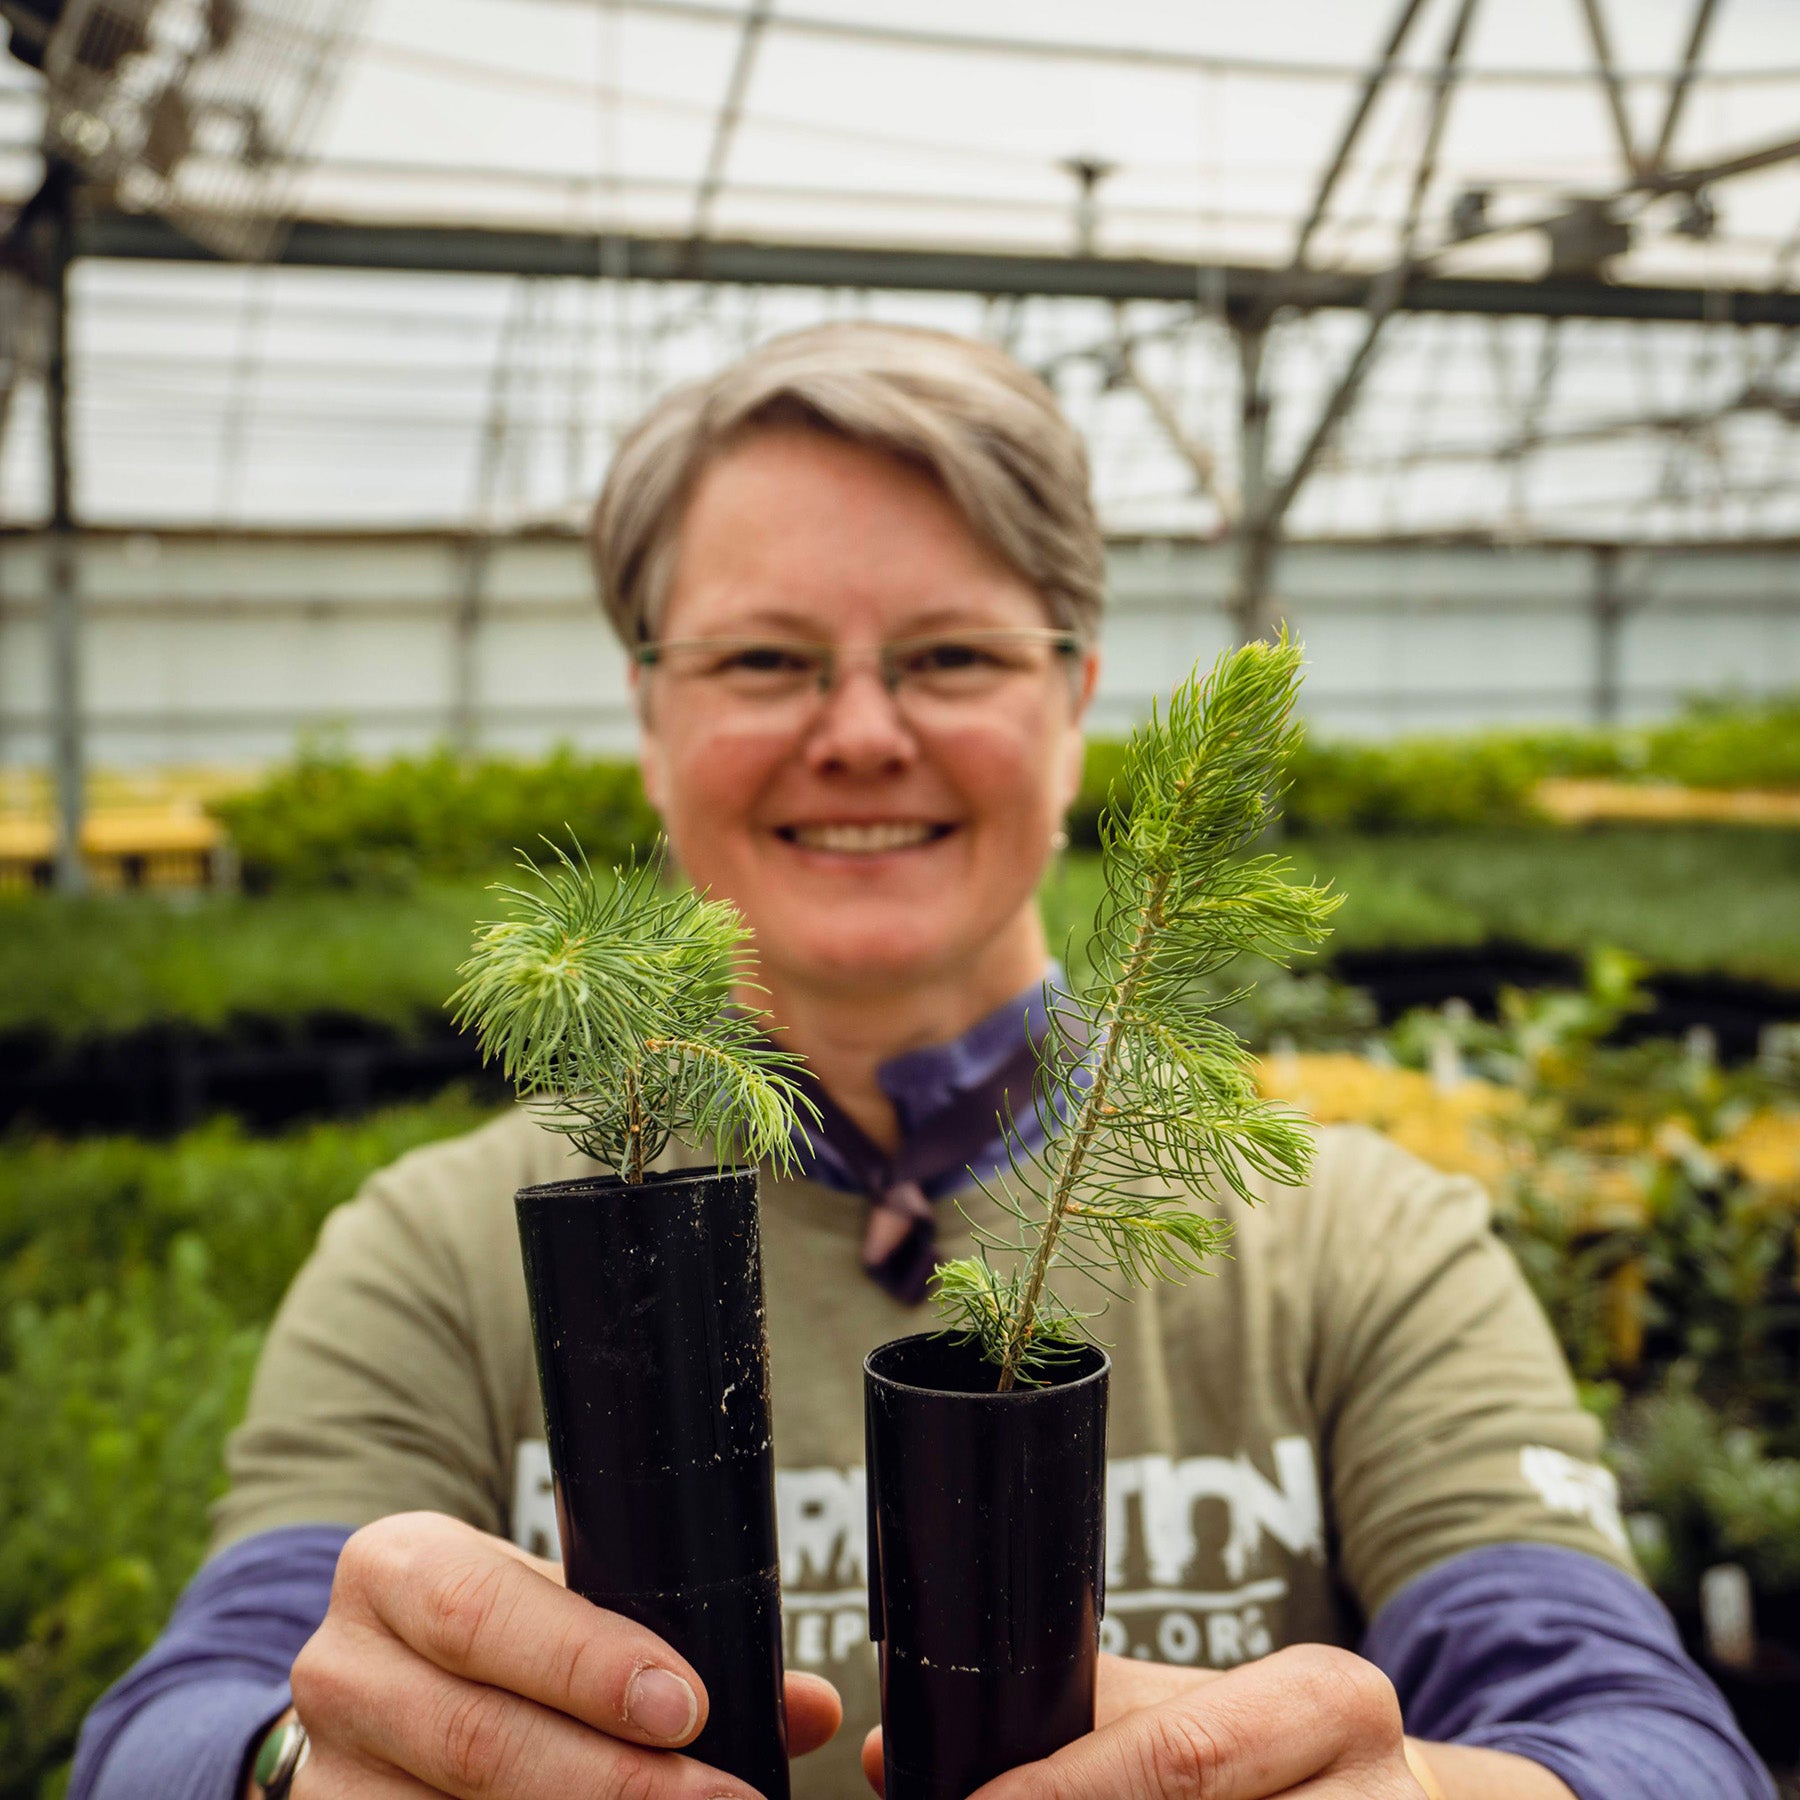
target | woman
[{"x": 860, "y": 577}]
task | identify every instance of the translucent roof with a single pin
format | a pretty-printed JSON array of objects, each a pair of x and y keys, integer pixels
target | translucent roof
[{"x": 229, "y": 395}]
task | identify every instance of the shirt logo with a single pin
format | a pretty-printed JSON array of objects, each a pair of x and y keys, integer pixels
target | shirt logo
[{"x": 1162, "y": 1541}]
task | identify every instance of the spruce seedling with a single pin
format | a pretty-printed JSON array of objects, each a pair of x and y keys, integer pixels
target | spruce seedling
[
  {"x": 1148, "y": 1098},
  {"x": 608, "y": 1005}
]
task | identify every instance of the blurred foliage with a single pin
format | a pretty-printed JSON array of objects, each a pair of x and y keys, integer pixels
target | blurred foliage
[
  {"x": 328, "y": 820},
  {"x": 1727, "y": 744},
  {"x": 1709, "y": 898},
  {"x": 1706, "y": 898},
  {"x": 367, "y": 879},
  {"x": 112, "y": 1412},
  {"x": 1653, "y": 1201},
  {"x": 1430, "y": 784},
  {"x": 135, "y": 1281},
  {"x": 78, "y": 1216},
  {"x": 1485, "y": 779},
  {"x": 118, "y": 962}
]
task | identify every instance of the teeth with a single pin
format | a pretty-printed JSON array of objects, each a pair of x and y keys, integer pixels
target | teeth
[{"x": 862, "y": 840}]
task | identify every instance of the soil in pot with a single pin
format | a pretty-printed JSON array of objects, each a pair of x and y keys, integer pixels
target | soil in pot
[
  {"x": 647, "y": 1310},
  {"x": 986, "y": 1560}
]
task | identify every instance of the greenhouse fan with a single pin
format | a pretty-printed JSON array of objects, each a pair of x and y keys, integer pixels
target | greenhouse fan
[{"x": 194, "y": 109}]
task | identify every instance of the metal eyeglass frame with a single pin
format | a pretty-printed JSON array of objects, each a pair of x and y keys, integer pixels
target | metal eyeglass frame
[{"x": 886, "y": 656}]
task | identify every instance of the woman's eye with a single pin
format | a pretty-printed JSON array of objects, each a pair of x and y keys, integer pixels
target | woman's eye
[
  {"x": 949, "y": 658},
  {"x": 764, "y": 659}
]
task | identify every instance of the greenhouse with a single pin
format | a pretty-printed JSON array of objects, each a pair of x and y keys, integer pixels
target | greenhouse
[{"x": 1453, "y": 342}]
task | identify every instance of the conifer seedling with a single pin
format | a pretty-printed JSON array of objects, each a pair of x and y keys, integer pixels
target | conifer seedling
[
  {"x": 608, "y": 1003},
  {"x": 1149, "y": 1099}
]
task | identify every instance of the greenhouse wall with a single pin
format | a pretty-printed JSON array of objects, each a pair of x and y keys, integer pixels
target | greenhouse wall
[{"x": 224, "y": 650}]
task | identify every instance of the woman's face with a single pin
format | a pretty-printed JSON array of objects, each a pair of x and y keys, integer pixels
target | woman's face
[{"x": 871, "y": 839}]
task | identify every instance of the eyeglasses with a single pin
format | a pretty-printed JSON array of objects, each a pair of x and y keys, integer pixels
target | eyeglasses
[{"x": 770, "y": 676}]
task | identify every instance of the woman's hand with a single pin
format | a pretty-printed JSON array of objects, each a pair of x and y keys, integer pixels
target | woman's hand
[
  {"x": 451, "y": 1663},
  {"x": 1310, "y": 1723}
]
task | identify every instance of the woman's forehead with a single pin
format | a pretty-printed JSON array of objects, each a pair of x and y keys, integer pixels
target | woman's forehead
[{"x": 825, "y": 535}]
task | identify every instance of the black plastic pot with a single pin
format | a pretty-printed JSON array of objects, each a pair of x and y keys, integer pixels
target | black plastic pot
[
  {"x": 986, "y": 1561},
  {"x": 647, "y": 1309}
]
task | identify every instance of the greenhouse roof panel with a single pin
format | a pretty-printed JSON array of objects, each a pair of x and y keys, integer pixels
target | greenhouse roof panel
[{"x": 214, "y": 394}]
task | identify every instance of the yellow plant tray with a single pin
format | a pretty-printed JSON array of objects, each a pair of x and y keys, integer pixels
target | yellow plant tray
[
  {"x": 172, "y": 845},
  {"x": 1572, "y": 802}
]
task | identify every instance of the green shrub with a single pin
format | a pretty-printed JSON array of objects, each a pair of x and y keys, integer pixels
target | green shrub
[
  {"x": 79, "y": 1216},
  {"x": 1103, "y": 768},
  {"x": 112, "y": 1415},
  {"x": 134, "y": 1283},
  {"x": 1409, "y": 784},
  {"x": 327, "y": 820},
  {"x": 1714, "y": 1490},
  {"x": 1482, "y": 779},
  {"x": 1729, "y": 745},
  {"x": 115, "y": 962}
]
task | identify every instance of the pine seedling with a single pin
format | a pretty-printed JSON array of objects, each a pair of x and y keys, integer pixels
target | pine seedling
[
  {"x": 608, "y": 1005},
  {"x": 1147, "y": 1097}
]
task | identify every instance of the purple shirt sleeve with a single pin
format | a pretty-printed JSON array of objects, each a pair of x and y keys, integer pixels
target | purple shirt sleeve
[
  {"x": 1561, "y": 1658},
  {"x": 178, "y": 1724}
]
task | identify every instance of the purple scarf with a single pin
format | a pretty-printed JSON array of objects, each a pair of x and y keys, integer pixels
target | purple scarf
[{"x": 949, "y": 1100}]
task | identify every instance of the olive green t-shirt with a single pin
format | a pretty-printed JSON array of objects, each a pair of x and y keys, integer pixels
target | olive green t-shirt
[{"x": 1364, "y": 1389}]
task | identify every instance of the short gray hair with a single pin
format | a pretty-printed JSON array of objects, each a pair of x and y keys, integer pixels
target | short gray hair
[{"x": 989, "y": 431}]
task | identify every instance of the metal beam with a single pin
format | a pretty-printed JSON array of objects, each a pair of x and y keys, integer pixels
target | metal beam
[
  {"x": 1685, "y": 181},
  {"x": 1359, "y": 114},
  {"x": 1162, "y": 58},
  {"x": 1609, "y": 606},
  {"x": 477, "y": 555},
  {"x": 54, "y": 228},
  {"x": 1256, "y": 537},
  {"x": 1199, "y": 459},
  {"x": 731, "y": 109},
  {"x": 1611, "y": 85},
  {"x": 1384, "y": 293},
  {"x": 1679, "y": 84},
  {"x": 463, "y": 250},
  {"x": 1266, "y": 505}
]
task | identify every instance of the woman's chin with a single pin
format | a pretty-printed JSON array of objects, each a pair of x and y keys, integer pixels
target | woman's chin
[{"x": 872, "y": 949}]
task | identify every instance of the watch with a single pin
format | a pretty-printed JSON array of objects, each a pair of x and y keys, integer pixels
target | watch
[{"x": 280, "y": 1759}]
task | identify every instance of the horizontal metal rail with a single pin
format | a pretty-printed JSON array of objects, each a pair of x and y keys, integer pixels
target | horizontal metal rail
[{"x": 1245, "y": 291}]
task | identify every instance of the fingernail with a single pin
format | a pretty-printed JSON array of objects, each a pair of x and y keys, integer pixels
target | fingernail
[{"x": 661, "y": 1705}]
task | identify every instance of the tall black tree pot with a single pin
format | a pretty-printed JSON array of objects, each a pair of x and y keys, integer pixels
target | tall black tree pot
[
  {"x": 647, "y": 1310},
  {"x": 986, "y": 1556}
]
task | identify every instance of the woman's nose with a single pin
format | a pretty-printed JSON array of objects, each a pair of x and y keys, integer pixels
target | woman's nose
[{"x": 859, "y": 728}]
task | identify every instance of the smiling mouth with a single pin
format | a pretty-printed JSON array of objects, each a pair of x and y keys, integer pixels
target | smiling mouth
[{"x": 874, "y": 838}]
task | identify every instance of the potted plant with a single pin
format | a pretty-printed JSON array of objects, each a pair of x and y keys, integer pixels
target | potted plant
[
  {"x": 986, "y": 1441},
  {"x": 1715, "y": 1520},
  {"x": 609, "y": 1006}
]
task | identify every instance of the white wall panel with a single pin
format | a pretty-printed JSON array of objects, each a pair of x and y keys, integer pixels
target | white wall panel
[{"x": 223, "y": 650}]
